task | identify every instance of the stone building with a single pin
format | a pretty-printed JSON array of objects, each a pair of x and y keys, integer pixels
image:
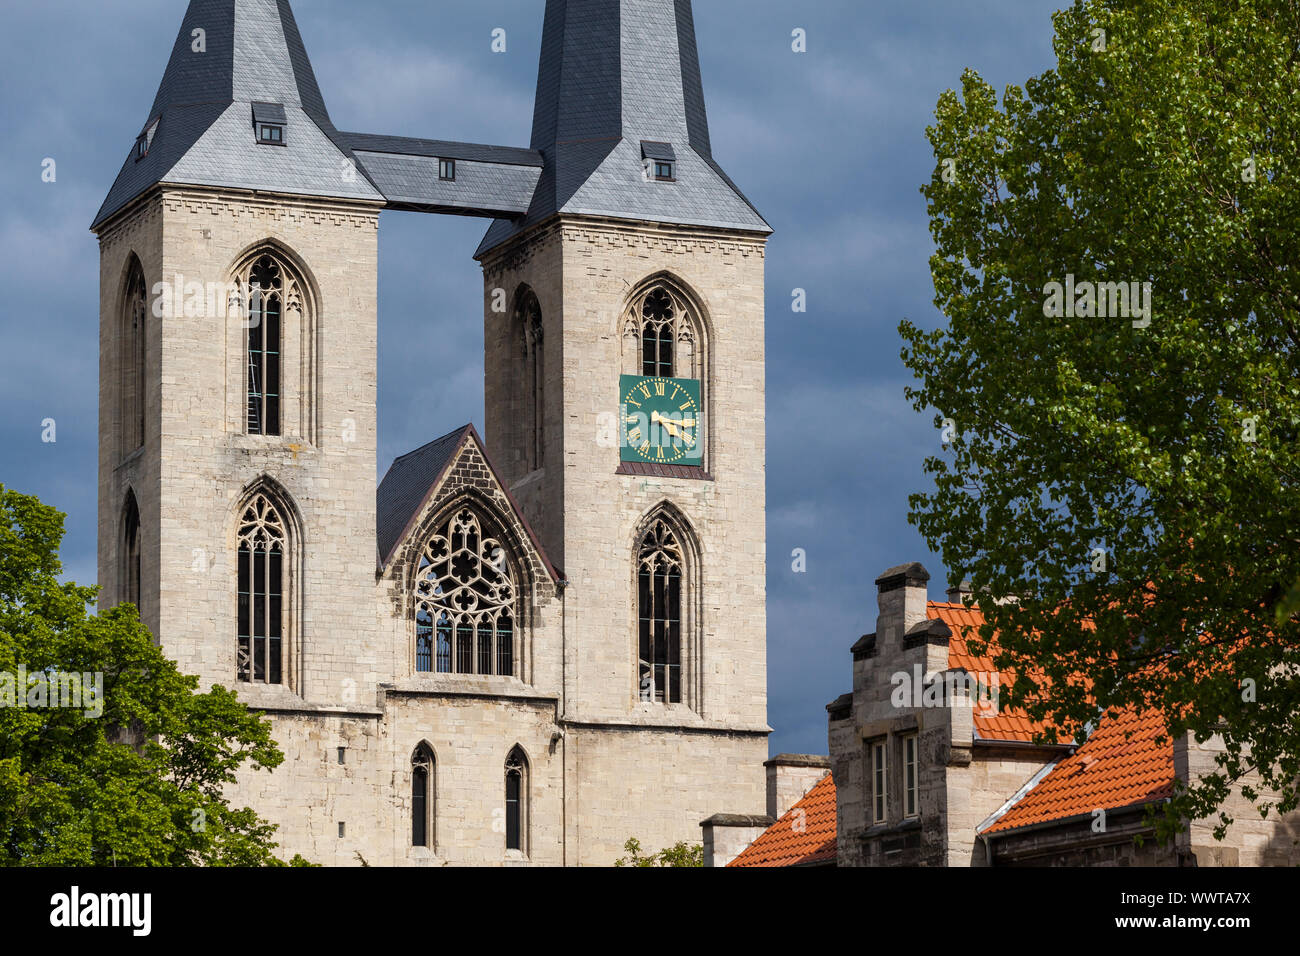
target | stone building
[
  {"x": 526, "y": 645},
  {"x": 929, "y": 770}
]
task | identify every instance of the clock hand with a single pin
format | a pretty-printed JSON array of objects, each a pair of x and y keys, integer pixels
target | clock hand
[{"x": 665, "y": 423}]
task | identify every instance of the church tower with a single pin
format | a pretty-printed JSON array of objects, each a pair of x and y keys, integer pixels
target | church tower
[
  {"x": 624, "y": 370},
  {"x": 518, "y": 650},
  {"x": 237, "y": 377}
]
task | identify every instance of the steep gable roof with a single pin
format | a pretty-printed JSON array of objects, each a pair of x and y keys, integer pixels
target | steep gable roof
[
  {"x": 614, "y": 73},
  {"x": 804, "y": 836},
  {"x": 413, "y": 480},
  {"x": 964, "y": 623},
  {"x": 1124, "y": 762},
  {"x": 248, "y": 51},
  {"x": 1120, "y": 764}
]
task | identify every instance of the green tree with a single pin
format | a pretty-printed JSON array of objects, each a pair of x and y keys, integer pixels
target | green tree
[
  {"x": 1129, "y": 477},
  {"x": 679, "y": 854},
  {"x": 134, "y": 776}
]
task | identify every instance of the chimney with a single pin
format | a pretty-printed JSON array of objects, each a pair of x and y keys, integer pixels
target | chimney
[
  {"x": 901, "y": 598},
  {"x": 957, "y": 593},
  {"x": 789, "y": 777}
]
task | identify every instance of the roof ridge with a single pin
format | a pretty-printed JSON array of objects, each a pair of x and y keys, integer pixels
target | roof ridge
[{"x": 415, "y": 451}]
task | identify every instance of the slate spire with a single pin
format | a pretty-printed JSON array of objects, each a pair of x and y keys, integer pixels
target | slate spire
[
  {"x": 615, "y": 74},
  {"x": 228, "y": 55}
]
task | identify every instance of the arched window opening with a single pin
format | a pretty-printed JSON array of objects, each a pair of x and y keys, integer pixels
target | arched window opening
[
  {"x": 464, "y": 596},
  {"x": 131, "y": 552},
  {"x": 516, "y": 800},
  {"x": 528, "y": 320},
  {"x": 261, "y": 563},
  {"x": 659, "y": 615},
  {"x": 657, "y": 333},
  {"x": 422, "y": 797},
  {"x": 661, "y": 335},
  {"x": 266, "y": 291},
  {"x": 136, "y": 313}
]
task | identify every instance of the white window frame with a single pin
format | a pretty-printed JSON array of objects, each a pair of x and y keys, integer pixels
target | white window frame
[
  {"x": 878, "y": 767},
  {"x": 911, "y": 785}
]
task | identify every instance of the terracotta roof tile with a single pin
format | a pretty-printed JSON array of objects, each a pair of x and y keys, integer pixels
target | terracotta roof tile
[
  {"x": 1121, "y": 764},
  {"x": 805, "y": 834},
  {"x": 1003, "y": 725}
]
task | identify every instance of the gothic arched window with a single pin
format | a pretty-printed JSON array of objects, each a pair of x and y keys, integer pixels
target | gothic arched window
[
  {"x": 528, "y": 322},
  {"x": 132, "y": 384},
  {"x": 517, "y": 801},
  {"x": 265, "y": 290},
  {"x": 131, "y": 551},
  {"x": 661, "y": 334},
  {"x": 263, "y": 542},
  {"x": 423, "y": 815},
  {"x": 464, "y": 601},
  {"x": 660, "y": 570}
]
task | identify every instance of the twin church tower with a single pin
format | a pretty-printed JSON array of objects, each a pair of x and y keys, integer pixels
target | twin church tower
[{"x": 528, "y": 643}]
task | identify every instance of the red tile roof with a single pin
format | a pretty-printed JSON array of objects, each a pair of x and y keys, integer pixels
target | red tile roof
[
  {"x": 1121, "y": 764},
  {"x": 964, "y": 623},
  {"x": 804, "y": 835}
]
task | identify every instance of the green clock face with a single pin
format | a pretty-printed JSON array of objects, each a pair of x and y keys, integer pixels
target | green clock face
[{"x": 661, "y": 420}]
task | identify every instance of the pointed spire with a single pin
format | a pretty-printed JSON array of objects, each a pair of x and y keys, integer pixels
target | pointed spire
[
  {"x": 615, "y": 74},
  {"x": 228, "y": 55}
]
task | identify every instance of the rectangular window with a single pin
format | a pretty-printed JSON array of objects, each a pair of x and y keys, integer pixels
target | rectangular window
[
  {"x": 879, "y": 779},
  {"x": 419, "y": 784},
  {"x": 423, "y": 641},
  {"x": 447, "y": 169},
  {"x": 910, "y": 789},
  {"x": 505, "y": 648},
  {"x": 514, "y": 779},
  {"x": 664, "y": 171},
  {"x": 269, "y": 133}
]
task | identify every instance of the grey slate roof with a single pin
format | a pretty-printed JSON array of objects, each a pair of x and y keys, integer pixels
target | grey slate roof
[
  {"x": 618, "y": 81},
  {"x": 254, "y": 53},
  {"x": 490, "y": 180},
  {"x": 406, "y": 485},
  {"x": 615, "y": 73},
  {"x": 411, "y": 481}
]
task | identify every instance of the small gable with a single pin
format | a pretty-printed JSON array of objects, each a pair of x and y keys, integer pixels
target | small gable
[{"x": 420, "y": 486}]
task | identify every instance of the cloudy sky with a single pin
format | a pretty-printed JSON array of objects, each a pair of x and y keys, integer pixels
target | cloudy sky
[{"x": 828, "y": 144}]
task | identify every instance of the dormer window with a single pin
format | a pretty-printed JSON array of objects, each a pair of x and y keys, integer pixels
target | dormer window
[
  {"x": 660, "y": 161},
  {"x": 145, "y": 140},
  {"x": 269, "y": 122},
  {"x": 447, "y": 169}
]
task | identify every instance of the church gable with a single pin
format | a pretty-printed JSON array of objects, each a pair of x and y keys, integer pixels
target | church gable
[{"x": 422, "y": 490}]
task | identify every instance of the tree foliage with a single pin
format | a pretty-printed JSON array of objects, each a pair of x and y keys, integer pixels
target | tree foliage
[
  {"x": 679, "y": 854},
  {"x": 1133, "y": 484},
  {"x": 139, "y": 784}
]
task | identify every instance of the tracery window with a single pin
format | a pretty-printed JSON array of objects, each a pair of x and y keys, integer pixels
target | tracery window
[
  {"x": 516, "y": 800},
  {"x": 528, "y": 321},
  {"x": 662, "y": 327},
  {"x": 269, "y": 291},
  {"x": 465, "y": 602},
  {"x": 261, "y": 563},
  {"x": 659, "y": 614},
  {"x": 132, "y": 384}
]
